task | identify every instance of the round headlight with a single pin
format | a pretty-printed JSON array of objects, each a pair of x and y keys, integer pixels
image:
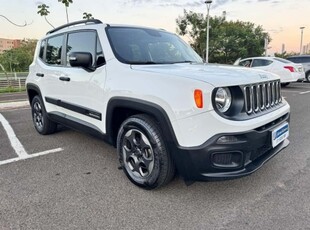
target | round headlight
[{"x": 223, "y": 99}]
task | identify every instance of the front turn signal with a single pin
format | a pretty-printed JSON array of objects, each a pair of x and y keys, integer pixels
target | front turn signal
[{"x": 198, "y": 98}]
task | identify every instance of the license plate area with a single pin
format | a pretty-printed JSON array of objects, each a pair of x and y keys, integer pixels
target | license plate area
[{"x": 279, "y": 134}]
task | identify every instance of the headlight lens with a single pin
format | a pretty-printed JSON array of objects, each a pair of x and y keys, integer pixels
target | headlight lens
[{"x": 223, "y": 99}]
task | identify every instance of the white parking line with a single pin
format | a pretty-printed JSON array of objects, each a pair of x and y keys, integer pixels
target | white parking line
[
  {"x": 17, "y": 145},
  {"x": 29, "y": 156},
  {"x": 304, "y": 92}
]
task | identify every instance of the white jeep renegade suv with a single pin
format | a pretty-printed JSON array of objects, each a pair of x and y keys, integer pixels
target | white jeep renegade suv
[{"x": 151, "y": 96}]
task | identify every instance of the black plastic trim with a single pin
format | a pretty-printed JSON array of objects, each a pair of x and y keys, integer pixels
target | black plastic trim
[
  {"x": 76, "y": 124},
  {"x": 144, "y": 107},
  {"x": 30, "y": 86},
  {"x": 75, "y": 108},
  {"x": 254, "y": 144},
  {"x": 95, "y": 21}
]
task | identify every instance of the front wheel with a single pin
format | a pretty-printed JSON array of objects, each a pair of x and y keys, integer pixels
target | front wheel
[
  {"x": 285, "y": 84},
  {"x": 143, "y": 154},
  {"x": 39, "y": 116}
]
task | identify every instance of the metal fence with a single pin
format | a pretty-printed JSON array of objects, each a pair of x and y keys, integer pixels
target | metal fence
[{"x": 13, "y": 80}]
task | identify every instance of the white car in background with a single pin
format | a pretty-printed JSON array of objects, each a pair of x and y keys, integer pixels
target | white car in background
[{"x": 287, "y": 70}]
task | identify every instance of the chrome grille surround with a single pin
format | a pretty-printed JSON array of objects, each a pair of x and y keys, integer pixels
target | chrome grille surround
[{"x": 261, "y": 96}]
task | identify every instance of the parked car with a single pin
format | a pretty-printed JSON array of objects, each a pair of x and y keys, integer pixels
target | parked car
[
  {"x": 287, "y": 70},
  {"x": 150, "y": 95},
  {"x": 305, "y": 61}
]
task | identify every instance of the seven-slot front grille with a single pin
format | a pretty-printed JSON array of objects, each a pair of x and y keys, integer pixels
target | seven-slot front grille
[{"x": 261, "y": 96}]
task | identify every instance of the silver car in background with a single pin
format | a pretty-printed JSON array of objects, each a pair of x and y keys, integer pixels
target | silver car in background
[{"x": 305, "y": 61}]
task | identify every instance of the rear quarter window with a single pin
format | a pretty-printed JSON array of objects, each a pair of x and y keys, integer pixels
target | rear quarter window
[{"x": 261, "y": 62}]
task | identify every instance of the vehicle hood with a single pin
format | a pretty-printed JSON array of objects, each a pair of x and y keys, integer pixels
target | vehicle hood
[{"x": 214, "y": 74}]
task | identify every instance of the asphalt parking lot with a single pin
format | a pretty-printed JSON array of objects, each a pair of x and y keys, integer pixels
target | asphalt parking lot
[{"x": 70, "y": 180}]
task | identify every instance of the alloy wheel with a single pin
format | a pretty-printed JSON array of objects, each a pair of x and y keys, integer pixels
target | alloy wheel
[
  {"x": 38, "y": 115},
  {"x": 138, "y": 154}
]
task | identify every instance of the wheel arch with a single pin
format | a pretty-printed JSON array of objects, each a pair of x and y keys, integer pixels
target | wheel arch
[
  {"x": 120, "y": 108},
  {"x": 32, "y": 91}
]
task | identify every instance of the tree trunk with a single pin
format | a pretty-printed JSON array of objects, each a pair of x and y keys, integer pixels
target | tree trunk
[
  {"x": 48, "y": 22},
  {"x": 67, "y": 14}
]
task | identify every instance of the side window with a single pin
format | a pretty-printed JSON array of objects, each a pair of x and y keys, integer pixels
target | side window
[
  {"x": 42, "y": 46},
  {"x": 294, "y": 59},
  {"x": 83, "y": 41},
  {"x": 246, "y": 63},
  {"x": 304, "y": 59},
  {"x": 261, "y": 62},
  {"x": 53, "y": 50}
]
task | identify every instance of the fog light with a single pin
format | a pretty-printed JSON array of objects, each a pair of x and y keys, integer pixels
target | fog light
[
  {"x": 227, "y": 159},
  {"x": 227, "y": 139}
]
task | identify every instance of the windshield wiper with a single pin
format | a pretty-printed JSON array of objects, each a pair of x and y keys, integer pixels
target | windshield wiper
[
  {"x": 185, "y": 61},
  {"x": 143, "y": 63}
]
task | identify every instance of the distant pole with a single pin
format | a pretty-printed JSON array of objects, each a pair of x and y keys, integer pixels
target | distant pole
[
  {"x": 208, "y": 3},
  {"x": 302, "y": 33},
  {"x": 266, "y": 45},
  {"x": 283, "y": 48}
]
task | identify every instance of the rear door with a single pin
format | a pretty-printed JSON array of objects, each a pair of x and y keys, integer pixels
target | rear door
[{"x": 48, "y": 69}]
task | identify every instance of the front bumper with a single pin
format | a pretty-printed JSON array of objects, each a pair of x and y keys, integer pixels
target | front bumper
[{"x": 246, "y": 153}]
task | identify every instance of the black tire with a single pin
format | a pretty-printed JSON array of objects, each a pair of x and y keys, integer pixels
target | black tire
[
  {"x": 143, "y": 154},
  {"x": 308, "y": 77},
  {"x": 40, "y": 119},
  {"x": 285, "y": 84}
]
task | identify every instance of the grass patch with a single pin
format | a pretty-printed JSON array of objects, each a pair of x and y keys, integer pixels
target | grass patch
[{"x": 11, "y": 89}]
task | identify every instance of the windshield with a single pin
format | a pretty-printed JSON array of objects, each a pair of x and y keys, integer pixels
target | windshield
[{"x": 147, "y": 46}]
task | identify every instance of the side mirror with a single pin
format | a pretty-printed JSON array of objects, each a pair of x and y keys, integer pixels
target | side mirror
[{"x": 81, "y": 59}]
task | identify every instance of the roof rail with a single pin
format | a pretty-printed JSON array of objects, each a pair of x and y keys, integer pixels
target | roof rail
[{"x": 95, "y": 21}]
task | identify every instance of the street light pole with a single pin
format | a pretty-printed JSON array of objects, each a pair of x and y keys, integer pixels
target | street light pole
[
  {"x": 302, "y": 33},
  {"x": 208, "y": 3}
]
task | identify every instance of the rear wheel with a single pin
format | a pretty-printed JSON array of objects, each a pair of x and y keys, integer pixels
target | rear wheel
[
  {"x": 308, "y": 77},
  {"x": 143, "y": 154},
  {"x": 39, "y": 116}
]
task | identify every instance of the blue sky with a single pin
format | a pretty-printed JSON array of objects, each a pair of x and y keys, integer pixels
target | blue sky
[{"x": 281, "y": 18}]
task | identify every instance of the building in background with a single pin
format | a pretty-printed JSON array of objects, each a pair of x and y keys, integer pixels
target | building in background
[{"x": 7, "y": 44}]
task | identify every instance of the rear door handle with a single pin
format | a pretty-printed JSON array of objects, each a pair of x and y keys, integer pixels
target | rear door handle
[
  {"x": 64, "y": 78},
  {"x": 40, "y": 74}
]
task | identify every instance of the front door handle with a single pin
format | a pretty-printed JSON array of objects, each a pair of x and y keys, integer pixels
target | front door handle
[
  {"x": 64, "y": 78},
  {"x": 40, "y": 74}
]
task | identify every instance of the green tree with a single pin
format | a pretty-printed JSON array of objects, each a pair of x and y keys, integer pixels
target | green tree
[
  {"x": 228, "y": 40},
  {"x": 66, "y": 3},
  {"x": 18, "y": 59},
  {"x": 43, "y": 11},
  {"x": 87, "y": 16}
]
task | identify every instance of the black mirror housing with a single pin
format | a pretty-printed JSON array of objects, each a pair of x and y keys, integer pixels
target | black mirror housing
[{"x": 81, "y": 59}]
